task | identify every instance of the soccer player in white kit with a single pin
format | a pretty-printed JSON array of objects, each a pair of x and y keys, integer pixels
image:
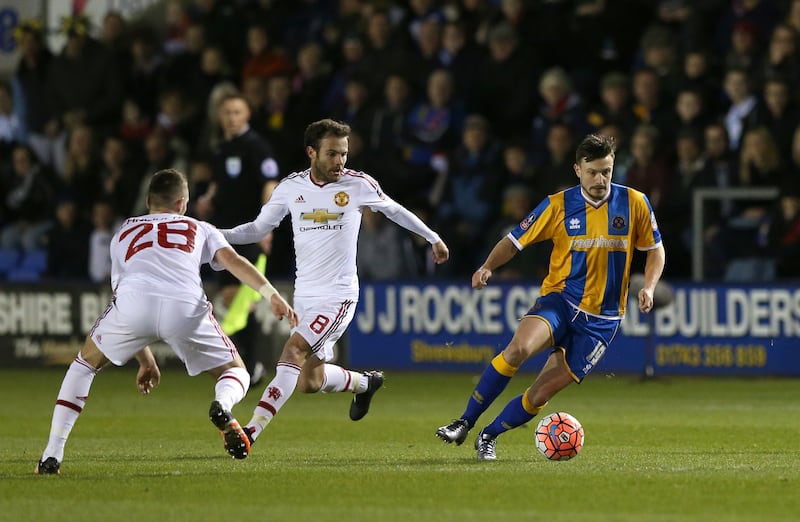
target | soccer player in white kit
[
  {"x": 158, "y": 295},
  {"x": 325, "y": 202}
]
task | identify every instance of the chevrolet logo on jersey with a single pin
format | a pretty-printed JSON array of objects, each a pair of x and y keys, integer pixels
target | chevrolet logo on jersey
[{"x": 321, "y": 215}]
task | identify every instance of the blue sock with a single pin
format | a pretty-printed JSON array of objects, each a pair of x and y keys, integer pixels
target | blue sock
[
  {"x": 491, "y": 384},
  {"x": 513, "y": 415}
]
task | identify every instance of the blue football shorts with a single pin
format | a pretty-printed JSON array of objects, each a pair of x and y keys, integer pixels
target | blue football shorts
[{"x": 582, "y": 337}]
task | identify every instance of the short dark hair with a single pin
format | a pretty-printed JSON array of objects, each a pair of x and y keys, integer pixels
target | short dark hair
[
  {"x": 595, "y": 146},
  {"x": 318, "y": 130},
  {"x": 233, "y": 96},
  {"x": 166, "y": 187}
]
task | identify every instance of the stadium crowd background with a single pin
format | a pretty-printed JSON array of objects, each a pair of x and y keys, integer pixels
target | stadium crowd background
[{"x": 467, "y": 112}]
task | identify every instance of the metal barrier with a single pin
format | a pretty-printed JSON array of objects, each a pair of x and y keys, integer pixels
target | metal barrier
[{"x": 699, "y": 198}]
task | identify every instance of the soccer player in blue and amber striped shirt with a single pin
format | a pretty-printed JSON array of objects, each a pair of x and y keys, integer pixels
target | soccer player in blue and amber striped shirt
[{"x": 595, "y": 227}]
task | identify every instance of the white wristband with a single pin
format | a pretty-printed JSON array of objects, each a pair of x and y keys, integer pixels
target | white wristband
[{"x": 267, "y": 290}]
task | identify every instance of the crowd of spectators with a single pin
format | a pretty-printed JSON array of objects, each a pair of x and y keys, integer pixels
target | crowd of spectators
[{"x": 466, "y": 111}]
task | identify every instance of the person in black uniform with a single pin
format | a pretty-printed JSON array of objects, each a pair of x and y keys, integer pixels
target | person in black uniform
[
  {"x": 244, "y": 173},
  {"x": 244, "y": 169}
]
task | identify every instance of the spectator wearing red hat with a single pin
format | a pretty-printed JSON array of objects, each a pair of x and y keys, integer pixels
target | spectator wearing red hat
[{"x": 744, "y": 52}]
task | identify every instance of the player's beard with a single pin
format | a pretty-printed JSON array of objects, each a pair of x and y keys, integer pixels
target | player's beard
[
  {"x": 597, "y": 193},
  {"x": 325, "y": 174}
]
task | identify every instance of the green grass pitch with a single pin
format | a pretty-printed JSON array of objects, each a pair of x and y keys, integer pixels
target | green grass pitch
[{"x": 670, "y": 449}]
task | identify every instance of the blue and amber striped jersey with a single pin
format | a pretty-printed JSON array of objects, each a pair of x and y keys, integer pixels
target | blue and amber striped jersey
[{"x": 593, "y": 244}]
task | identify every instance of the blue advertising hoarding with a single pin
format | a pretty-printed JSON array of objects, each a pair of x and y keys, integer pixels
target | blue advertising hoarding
[{"x": 709, "y": 330}]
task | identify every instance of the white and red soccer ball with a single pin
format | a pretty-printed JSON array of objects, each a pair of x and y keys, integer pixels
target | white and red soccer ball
[{"x": 559, "y": 436}]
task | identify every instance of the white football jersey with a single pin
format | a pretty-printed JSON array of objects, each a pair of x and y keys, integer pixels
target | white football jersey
[
  {"x": 326, "y": 220},
  {"x": 161, "y": 254}
]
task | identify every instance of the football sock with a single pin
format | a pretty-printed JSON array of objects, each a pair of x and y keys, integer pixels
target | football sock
[
  {"x": 337, "y": 379},
  {"x": 231, "y": 387},
  {"x": 275, "y": 395},
  {"x": 70, "y": 402},
  {"x": 494, "y": 380},
  {"x": 517, "y": 412}
]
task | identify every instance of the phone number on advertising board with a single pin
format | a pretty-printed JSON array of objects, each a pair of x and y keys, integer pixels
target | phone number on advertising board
[{"x": 712, "y": 355}]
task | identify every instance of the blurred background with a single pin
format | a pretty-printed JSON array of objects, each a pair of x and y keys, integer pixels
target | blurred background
[{"x": 467, "y": 112}]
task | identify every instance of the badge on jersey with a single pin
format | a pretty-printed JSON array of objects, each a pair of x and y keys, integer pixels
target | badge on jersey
[
  {"x": 269, "y": 168},
  {"x": 653, "y": 222},
  {"x": 341, "y": 199},
  {"x": 528, "y": 221},
  {"x": 233, "y": 166}
]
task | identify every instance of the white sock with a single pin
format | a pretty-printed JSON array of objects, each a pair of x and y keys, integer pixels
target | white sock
[
  {"x": 70, "y": 402},
  {"x": 231, "y": 387},
  {"x": 275, "y": 395},
  {"x": 337, "y": 379}
]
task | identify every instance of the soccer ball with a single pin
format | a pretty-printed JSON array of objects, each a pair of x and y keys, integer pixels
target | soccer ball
[{"x": 559, "y": 436}]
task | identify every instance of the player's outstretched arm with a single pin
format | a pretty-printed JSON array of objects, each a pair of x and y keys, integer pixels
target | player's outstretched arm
[
  {"x": 268, "y": 218},
  {"x": 280, "y": 308},
  {"x": 501, "y": 254},
  {"x": 246, "y": 234},
  {"x": 408, "y": 220},
  {"x": 249, "y": 275},
  {"x": 440, "y": 252},
  {"x": 653, "y": 267},
  {"x": 148, "y": 376}
]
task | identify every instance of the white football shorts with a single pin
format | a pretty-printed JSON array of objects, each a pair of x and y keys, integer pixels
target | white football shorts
[
  {"x": 322, "y": 322},
  {"x": 134, "y": 320}
]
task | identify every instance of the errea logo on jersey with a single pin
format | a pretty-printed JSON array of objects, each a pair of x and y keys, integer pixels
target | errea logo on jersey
[{"x": 574, "y": 224}]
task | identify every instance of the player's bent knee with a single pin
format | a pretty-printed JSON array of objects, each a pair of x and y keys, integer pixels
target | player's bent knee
[
  {"x": 515, "y": 353},
  {"x": 294, "y": 354},
  {"x": 238, "y": 362},
  {"x": 92, "y": 355},
  {"x": 306, "y": 386}
]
